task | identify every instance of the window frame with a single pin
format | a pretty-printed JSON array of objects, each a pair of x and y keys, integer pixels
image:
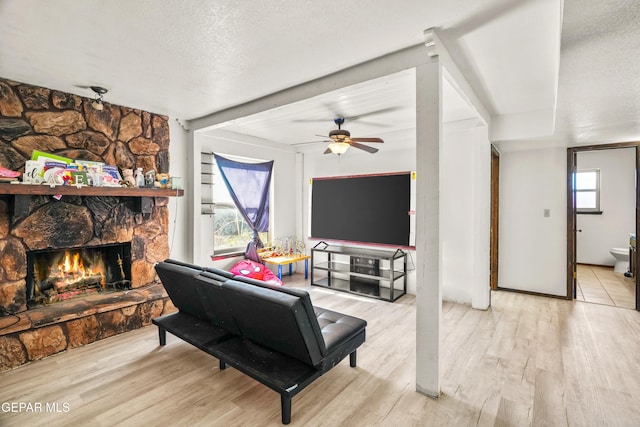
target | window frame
[{"x": 592, "y": 210}]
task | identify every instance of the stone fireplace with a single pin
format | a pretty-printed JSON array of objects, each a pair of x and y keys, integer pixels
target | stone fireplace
[{"x": 42, "y": 316}]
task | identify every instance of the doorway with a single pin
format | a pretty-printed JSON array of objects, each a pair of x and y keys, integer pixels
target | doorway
[
  {"x": 495, "y": 199},
  {"x": 595, "y": 226}
]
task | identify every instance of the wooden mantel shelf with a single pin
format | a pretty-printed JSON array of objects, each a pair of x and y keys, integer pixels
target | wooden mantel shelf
[
  {"x": 140, "y": 198},
  {"x": 70, "y": 190}
]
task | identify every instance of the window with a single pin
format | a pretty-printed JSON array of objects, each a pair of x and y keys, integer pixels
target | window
[
  {"x": 587, "y": 190},
  {"x": 231, "y": 233}
]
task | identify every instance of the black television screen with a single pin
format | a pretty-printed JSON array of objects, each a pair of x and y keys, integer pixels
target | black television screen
[{"x": 363, "y": 208}]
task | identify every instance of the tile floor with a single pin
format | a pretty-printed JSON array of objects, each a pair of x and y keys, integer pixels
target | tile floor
[{"x": 601, "y": 285}]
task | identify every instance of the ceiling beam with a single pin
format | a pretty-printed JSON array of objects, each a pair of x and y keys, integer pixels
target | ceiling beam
[{"x": 379, "y": 67}]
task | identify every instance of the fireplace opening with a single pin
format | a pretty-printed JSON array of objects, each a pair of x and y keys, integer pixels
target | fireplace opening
[{"x": 62, "y": 274}]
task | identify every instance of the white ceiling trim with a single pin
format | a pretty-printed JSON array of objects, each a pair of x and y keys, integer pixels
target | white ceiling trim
[
  {"x": 379, "y": 67},
  {"x": 454, "y": 76},
  {"x": 237, "y": 138},
  {"x": 528, "y": 125}
]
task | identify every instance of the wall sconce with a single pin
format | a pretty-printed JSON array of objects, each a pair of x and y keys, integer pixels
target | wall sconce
[{"x": 98, "y": 101}]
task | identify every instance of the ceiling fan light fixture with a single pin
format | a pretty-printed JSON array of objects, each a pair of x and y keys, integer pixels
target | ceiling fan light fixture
[
  {"x": 339, "y": 134},
  {"x": 98, "y": 103},
  {"x": 338, "y": 147}
]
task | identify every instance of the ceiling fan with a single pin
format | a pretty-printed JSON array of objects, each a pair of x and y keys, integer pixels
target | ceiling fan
[{"x": 340, "y": 140}]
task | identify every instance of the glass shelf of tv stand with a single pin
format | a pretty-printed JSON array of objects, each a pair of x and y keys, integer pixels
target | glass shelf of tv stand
[
  {"x": 373, "y": 273},
  {"x": 343, "y": 267},
  {"x": 366, "y": 252},
  {"x": 356, "y": 288}
]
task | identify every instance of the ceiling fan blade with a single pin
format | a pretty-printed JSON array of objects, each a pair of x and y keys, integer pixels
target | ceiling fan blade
[
  {"x": 367, "y": 140},
  {"x": 363, "y": 147},
  {"x": 309, "y": 142},
  {"x": 373, "y": 113},
  {"x": 310, "y": 120},
  {"x": 370, "y": 123},
  {"x": 327, "y": 151},
  {"x": 329, "y": 106},
  {"x": 337, "y": 112}
]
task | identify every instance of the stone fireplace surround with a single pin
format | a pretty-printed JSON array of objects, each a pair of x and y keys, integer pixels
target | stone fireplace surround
[{"x": 51, "y": 121}]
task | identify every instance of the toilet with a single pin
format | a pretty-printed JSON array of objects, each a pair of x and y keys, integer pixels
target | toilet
[{"x": 622, "y": 259}]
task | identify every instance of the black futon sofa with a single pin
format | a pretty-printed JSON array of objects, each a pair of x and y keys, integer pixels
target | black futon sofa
[{"x": 271, "y": 333}]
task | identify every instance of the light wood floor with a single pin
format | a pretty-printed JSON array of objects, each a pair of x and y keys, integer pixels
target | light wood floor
[
  {"x": 601, "y": 285},
  {"x": 528, "y": 360}
]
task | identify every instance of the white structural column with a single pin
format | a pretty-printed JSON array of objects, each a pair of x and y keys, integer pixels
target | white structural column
[
  {"x": 481, "y": 292},
  {"x": 428, "y": 259},
  {"x": 192, "y": 193}
]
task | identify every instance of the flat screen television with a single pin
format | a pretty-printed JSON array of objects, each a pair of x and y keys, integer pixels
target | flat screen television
[{"x": 372, "y": 209}]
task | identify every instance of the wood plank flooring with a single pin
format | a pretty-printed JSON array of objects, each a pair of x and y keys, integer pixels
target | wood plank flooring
[
  {"x": 528, "y": 360},
  {"x": 601, "y": 285}
]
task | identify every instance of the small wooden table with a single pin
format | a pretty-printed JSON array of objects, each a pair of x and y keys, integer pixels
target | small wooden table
[{"x": 289, "y": 259}]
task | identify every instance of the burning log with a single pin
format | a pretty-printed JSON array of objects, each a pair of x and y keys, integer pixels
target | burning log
[
  {"x": 70, "y": 283},
  {"x": 74, "y": 294}
]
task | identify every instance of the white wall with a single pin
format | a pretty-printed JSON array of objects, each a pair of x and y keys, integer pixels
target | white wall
[
  {"x": 617, "y": 203},
  {"x": 178, "y": 206},
  {"x": 456, "y": 219},
  {"x": 533, "y": 248},
  {"x": 283, "y": 208},
  {"x": 465, "y": 215}
]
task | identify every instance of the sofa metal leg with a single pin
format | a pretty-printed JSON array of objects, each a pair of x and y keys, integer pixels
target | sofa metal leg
[
  {"x": 286, "y": 408},
  {"x": 222, "y": 365},
  {"x": 162, "y": 333},
  {"x": 352, "y": 359}
]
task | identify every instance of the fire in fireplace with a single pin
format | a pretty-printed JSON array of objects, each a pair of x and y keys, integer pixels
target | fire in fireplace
[{"x": 62, "y": 274}]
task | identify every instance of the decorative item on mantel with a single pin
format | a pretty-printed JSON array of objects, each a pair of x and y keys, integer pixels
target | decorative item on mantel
[
  {"x": 8, "y": 175},
  {"x": 54, "y": 170},
  {"x": 128, "y": 179}
]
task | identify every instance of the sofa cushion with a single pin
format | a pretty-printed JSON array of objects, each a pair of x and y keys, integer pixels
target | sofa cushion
[
  {"x": 337, "y": 328},
  {"x": 182, "y": 263},
  {"x": 275, "y": 319},
  {"x": 179, "y": 281},
  {"x": 208, "y": 286},
  {"x": 219, "y": 272},
  {"x": 214, "y": 270},
  {"x": 214, "y": 276},
  {"x": 300, "y": 293}
]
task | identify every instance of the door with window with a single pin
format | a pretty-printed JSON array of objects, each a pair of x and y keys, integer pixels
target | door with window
[{"x": 603, "y": 205}]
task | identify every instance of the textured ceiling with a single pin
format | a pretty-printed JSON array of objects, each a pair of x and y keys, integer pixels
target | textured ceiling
[
  {"x": 191, "y": 58},
  {"x": 599, "y": 81},
  {"x": 599, "y": 95}
]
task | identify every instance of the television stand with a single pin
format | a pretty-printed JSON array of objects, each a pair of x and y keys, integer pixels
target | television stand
[{"x": 374, "y": 273}]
